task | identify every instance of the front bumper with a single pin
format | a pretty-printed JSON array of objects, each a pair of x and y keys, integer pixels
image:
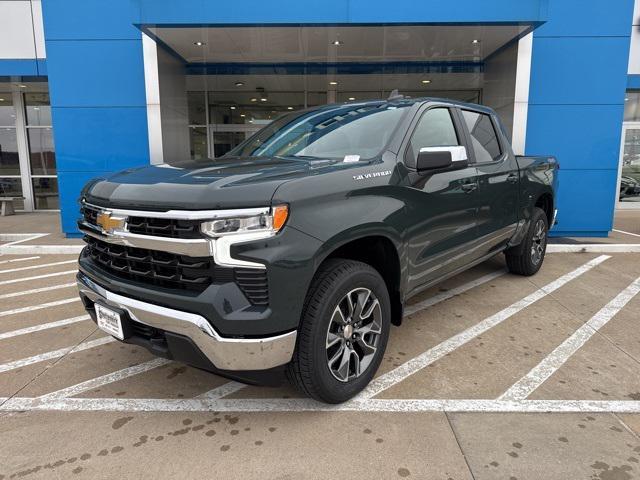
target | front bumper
[{"x": 229, "y": 354}]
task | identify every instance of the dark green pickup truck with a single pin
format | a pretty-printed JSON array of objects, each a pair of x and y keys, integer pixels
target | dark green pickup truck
[{"x": 295, "y": 252}]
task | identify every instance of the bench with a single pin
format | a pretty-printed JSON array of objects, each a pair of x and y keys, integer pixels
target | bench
[{"x": 6, "y": 205}]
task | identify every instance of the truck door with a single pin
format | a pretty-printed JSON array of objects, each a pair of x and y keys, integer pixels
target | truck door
[
  {"x": 497, "y": 177},
  {"x": 441, "y": 205}
]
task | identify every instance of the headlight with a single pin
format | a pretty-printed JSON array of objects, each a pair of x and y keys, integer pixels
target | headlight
[{"x": 268, "y": 222}]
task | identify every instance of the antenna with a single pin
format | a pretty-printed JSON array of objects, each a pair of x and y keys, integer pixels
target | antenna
[{"x": 394, "y": 95}]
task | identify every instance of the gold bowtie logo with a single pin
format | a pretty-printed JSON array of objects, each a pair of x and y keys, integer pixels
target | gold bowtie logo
[{"x": 109, "y": 223}]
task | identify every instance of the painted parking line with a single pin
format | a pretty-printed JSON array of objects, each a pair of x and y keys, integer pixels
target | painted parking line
[
  {"x": 39, "y": 307},
  {"x": 54, "y": 354},
  {"x": 548, "y": 366},
  {"x": 13, "y": 260},
  {"x": 43, "y": 265},
  {"x": 626, "y": 233},
  {"x": 44, "y": 326},
  {"x": 37, "y": 277},
  {"x": 37, "y": 290},
  {"x": 106, "y": 379},
  {"x": 279, "y": 405},
  {"x": 416, "y": 364},
  {"x": 222, "y": 391}
]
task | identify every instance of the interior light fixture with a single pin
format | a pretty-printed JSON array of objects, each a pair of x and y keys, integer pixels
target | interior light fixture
[
  {"x": 239, "y": 84},
  {"x": 254, "y": 99},
  {"x": 475, "y": 41},
  {"x": 22, "y": 86},
  {"x": 337, "y": 43},
  {"x": 352, "y": 99},
  {"x": 199, "y": 44},
  {"x": 1, "y": 99},
  {"x": 232, "y": 107},
  {"x": 263, "y": 99},
  {"x": 289, "y": 108},
  {"x": 425, "y": 81},
  {"x": 333, "y": 83},
  {"x": 242, "y": 115}
]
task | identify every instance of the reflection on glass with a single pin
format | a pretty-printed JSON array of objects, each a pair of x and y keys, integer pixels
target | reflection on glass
[
  {"x": 225, "y": 141},
  {"x": 198, "y": 140},
  {"x": 196, "y": 108},
  {"x": 45, "y": 191},
  {"x": 38, "y": 109},
  {"x": 632, "y": 107},
  {"x": 630, "y": 179},
  {"x": 12, "y": 187},
  {"x": 9, "y": 163},
  {"x": 7, "y": 112},
  {"x": 42, "y": 152}
]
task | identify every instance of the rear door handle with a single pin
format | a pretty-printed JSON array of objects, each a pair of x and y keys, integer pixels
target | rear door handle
[
  {"x": 469, "y": 187},
  {"x": 513, "y": 178}
]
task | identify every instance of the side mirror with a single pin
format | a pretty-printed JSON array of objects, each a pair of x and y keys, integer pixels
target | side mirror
[{"x": 442, "y": 158}]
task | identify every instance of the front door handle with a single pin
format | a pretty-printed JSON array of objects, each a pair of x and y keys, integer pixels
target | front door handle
[
  {"x": 513, "y": 178},
  {"x": 469, "y": 187}
]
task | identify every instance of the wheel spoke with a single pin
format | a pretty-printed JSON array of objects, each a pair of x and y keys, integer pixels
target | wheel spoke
[
  {"x": 363, "y": 298},
  {"x": 332, "y": 339},
  {"x": 343, "y": 369},
  {"x": 370, "y": 309},
  {"x": 367, "y": 348},
  {"x": 356, "y": 363},
  {"x": 338, "y": 317},
  {"x": 337, "y": 355}
]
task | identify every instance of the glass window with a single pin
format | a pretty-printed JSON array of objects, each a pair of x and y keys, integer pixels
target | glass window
[
  {"x": 42, "y": 154},
  {"x": 434, "y": 129},
  {"x": 12, "y": 187},
  {"x": 38, "y": 109},
  {"x": 632, "y": 107},
  {"x": 483, "y": 136},
  {"x": 7, "y": 112},
  {"x": 9, "y": 162},
  {"x": 196, "y": 108},
  {"x": 630, "y": 179},
  {"x": 45, "y": 191},
  {"x": 198, "y": 139},
  {"x": 331, "y": 132}
]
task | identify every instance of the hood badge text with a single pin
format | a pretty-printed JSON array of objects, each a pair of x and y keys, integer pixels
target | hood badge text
[{"x": 366, "y": 176}]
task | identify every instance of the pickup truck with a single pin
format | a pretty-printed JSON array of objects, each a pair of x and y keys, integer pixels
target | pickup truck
[{"x": 293, "y": 254}]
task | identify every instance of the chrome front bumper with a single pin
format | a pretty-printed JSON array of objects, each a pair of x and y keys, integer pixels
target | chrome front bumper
[{"x": 224, "y": 353}]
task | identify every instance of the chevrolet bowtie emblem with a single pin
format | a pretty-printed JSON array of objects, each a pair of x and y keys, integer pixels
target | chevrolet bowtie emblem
[{"x": 110, "y": 223}]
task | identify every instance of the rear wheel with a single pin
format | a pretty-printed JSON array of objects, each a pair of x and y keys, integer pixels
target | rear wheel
[
  {"x": 528, "y": 259},
  {"x": 343, "y": 333}
]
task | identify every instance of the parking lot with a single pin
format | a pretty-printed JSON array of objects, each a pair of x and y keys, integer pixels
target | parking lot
[{"x": 490, "y": 376}]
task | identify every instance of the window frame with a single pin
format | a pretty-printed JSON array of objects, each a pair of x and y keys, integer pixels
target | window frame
[
  {"x": 471, "y": 153},
  {"x": 457, "y": 126}
]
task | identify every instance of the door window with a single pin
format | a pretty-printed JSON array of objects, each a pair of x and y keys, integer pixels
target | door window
[
  {"x": 483, "y": 136},
  {"x": 435, "y": 129}
]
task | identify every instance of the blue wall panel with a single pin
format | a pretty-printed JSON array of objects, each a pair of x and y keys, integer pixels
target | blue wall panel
[{"x": 576, "y": 103}]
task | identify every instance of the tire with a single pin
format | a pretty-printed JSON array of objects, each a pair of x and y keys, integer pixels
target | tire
[
  {"x": 323, "y": 331},
  {"x": 526, "y": 259}
]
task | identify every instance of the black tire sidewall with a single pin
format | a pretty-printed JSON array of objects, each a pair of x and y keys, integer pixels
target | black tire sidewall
[{"x": 363, "y": 276}]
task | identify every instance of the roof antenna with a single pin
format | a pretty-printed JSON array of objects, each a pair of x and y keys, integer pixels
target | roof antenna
[{"x": 394, "y": 95}]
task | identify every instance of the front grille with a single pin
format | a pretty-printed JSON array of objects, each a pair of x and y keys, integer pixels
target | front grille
[
  {"x": 157, "y": 227},
  {"x": 173, "y": 271},
  {"x": 157, "y": 268}
]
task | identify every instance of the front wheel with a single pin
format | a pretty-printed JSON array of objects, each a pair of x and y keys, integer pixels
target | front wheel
[
  {"x": 343, "y": 332},
  {"x": 528, "y": 259}
]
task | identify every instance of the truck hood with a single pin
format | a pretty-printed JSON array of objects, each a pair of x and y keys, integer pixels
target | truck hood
[{"x": 196, "y": 185}]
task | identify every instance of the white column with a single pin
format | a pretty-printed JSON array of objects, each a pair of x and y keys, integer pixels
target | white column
[
  {"x": 521, "y": 103},
  {"x": 152, "y": 87},
  {"x": 23, "y": 149}
]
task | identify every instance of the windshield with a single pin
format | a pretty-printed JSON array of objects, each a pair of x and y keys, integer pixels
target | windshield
[{"x": 350, "y": 132}]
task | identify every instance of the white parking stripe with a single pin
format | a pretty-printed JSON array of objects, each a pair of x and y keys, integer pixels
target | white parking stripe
[
  {"x": 54, "y": 264},
  {"x": 626, "y": 233},
  {"x": 37, "y": 290},
  {"x": 106, "y": 379},
  {"x": 416, "y": 364},
  {"x": 28, "y": 279},
  {"x": 44, "y": 326},
  {"x": 306, "y": 405},
  {"x": 18, "y": 260},
  {"x": 55, "y": 354},
  {"x": 222, "y": 391},
  {"x": 429, "y": 302},
  {"x": 39, "y": 307},
  {"x": 547, "y": 367}
]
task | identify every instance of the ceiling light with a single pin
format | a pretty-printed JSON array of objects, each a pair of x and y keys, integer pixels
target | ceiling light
[
  {"x": 242, "y": 115},
  {"x": 1, "y": 99},
  {"x": 333, "y": 83},
  {"x": 425, "y": 81},
  {"x": 289, "y": 108},
  {"x": 352, "y": 98},
  {"x": 337, "y": 43},
  {"x": 36, "y": 108},
  {"x": 263, "y": 99},
  {"x": 232, "y": 107},
  {"x": 254, "y": 99},
  {"x": 475, "y": 41},
  {"x": 239, "y": 84},
  {"x": 199, "y": 44},
  {"x": 22, "y": 86}
]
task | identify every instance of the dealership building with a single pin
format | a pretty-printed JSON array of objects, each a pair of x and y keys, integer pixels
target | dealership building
[{"x": 89, "y": 87}]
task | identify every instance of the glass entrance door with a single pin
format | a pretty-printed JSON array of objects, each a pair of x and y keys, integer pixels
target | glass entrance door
[{"x": 629, "y": 185}]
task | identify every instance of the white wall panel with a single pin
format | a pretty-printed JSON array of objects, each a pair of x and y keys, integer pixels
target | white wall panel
[
  {"x": 16, "y": 30},
  {"x": 634, "y": 54},
  {"x": 38, "y": 28}
]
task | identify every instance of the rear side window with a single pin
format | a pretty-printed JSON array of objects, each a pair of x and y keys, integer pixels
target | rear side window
[
  {"x": 435, "y": 129},
  {"x": 483, "y": 136}
]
